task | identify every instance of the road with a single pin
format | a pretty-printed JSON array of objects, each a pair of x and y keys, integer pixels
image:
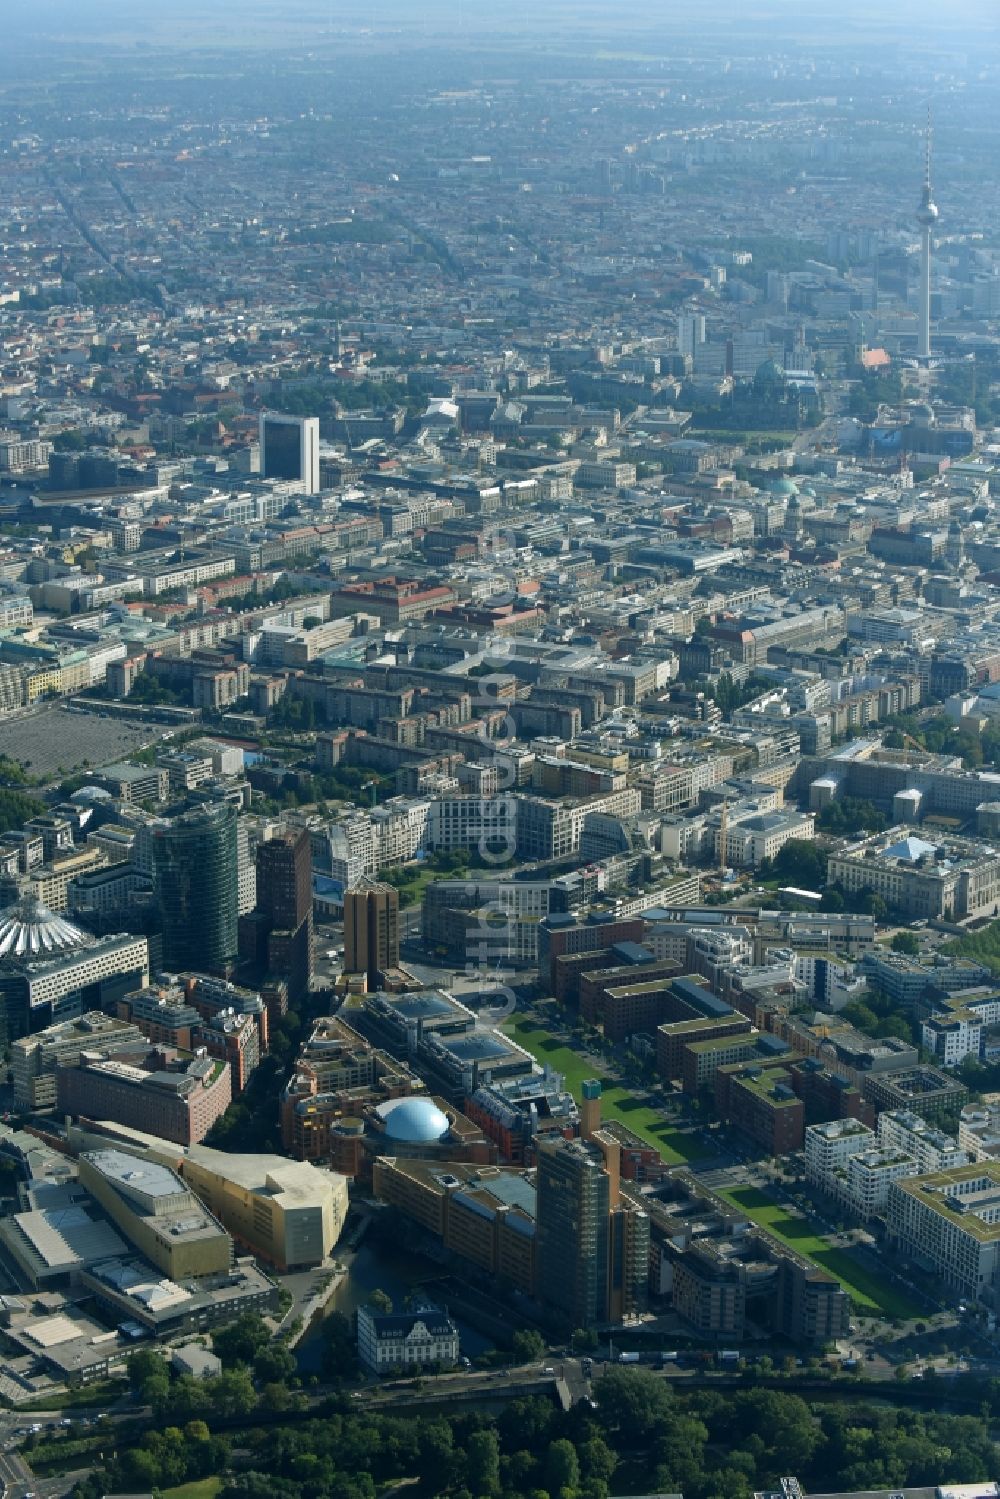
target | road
[
  {"x": 411, "y": 922},
  {"x": 565, "y": 1376},
  {"x": 816, "y": 437},
  {"x": 15, "y": 1475}
]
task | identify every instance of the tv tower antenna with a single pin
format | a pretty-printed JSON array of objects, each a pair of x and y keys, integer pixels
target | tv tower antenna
[{"x": 927, "y": 217}]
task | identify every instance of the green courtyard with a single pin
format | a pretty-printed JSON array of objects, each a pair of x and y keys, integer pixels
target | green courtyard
[
  {"x": 872, "y": 1294},
  {"x": 674, "y": 1145},
  {"x": 198, "y": 1488}
]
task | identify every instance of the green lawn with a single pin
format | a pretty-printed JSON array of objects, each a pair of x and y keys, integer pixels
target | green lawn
[
  {"x": 199, "y": 1488},
  {"x": 870, "y": 1292},
  {"x": 618, "y": 1103},
  {"x": 412, "y": 892}
]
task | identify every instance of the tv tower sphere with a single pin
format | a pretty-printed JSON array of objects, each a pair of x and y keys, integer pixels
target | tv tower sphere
[{"x": 927, "y": 213}]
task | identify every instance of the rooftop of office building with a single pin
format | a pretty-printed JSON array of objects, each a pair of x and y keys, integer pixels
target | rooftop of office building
[
  {"x": 968, "y": 1197},
  {"x": 908, "y": 849},
  {"x": 147, "y": 1178},
  {"x": 293, "y": 1183}
]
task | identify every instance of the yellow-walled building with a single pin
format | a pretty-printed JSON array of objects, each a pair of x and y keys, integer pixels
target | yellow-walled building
[
  {"x": 157, "y": 1212},
  {"x": 288, "y": 1212}
]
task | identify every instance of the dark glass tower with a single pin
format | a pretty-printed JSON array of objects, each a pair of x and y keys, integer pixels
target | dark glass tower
[
  {"x": 276, "y": 937},
  {"x": 196, "y": 879},
  {"x": 284, "y": 879}
]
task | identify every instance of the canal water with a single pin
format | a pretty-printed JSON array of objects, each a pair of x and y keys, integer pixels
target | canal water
[{"x": 398, "y": 1273}]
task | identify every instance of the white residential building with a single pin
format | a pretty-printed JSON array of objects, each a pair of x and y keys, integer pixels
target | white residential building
[
  {"x": 952, "y": 1036},
  {"x": 347, "y": 849},
  {"x": 952, "y": 1219},
  {"x": 400, "y": 826},
  {"x": 15, "y": 610},
  {"x": 829, "y": 1149},
  {"x": 829, "y": 982},
  {"x": 473, "y": 822},
  {"x": 406, "y": 1340},
  {"x": 902, "y": 1130},
  {"x": 956, "y": 1030},
  {"x": 979, "y": 1131},
  {"x": 869, "y": 1176},
  {"x": 684, "y": 838}
]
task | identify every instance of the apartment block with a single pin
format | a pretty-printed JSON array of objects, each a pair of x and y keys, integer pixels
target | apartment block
[
  {"x": 932, "y": 1149},
  {"x": 175, "y": 1097},
  {"x": 35, "y": 1060},
  {"x": 829, "y": 1148},
  {"x": 869, "y": 1176},
  {"x": 952, "y": 1220},
  {"x": 764, "y": 1106}
]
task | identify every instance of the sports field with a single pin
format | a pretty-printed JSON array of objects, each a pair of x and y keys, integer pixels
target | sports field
[
  {"x": 617, "y": 1102},
  {"x": 871, "y": 1293}
]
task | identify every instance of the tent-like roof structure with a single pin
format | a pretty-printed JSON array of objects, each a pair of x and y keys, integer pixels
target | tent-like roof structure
[{"x": 30, "y": 929}]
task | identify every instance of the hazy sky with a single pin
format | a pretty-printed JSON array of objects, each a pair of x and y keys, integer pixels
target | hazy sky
[
  {"x": 95, "y": 17},
  {"x": 47, "y": 39}
]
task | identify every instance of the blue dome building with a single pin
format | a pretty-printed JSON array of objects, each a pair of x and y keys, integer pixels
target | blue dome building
[{"x": 414, "y": 1121}]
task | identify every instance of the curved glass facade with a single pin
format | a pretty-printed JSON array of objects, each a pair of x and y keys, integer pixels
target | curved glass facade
[{"x": 195, "y": 870}]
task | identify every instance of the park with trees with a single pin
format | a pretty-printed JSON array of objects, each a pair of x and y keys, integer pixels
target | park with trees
[{"x": 638, "y": 1434}]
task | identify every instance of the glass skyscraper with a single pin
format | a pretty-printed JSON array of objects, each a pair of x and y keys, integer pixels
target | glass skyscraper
[{"x": 195, "y": 870}]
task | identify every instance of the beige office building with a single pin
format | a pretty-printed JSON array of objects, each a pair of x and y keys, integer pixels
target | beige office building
[
  {"x": 371, "y": 929},
  {"x": 35, "y": 1060}
]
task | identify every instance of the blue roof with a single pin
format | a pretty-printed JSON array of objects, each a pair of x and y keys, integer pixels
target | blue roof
[
  {"x": 909, "y": 849},
  {"x": 631, "y": 952},
  {"x": 700, "y": 998},
  {"x": 515, "y": 1190},
  {"x": 766, "y": 1042},
  {"x": 414, "y": 1005}
]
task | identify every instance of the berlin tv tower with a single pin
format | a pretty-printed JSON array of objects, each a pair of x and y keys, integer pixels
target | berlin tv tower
[{"x": 927, "y": 217}]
